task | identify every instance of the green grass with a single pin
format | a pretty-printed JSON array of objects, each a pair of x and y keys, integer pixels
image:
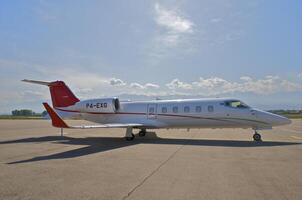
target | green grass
[
  {"x": 293, "y": 116},
  {"x": 19, "y": 117}
]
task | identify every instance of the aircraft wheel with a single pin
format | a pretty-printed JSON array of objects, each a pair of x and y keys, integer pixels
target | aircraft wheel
[
  {"x": 142, "y": 133},
  {"x": 130, "y": 138},
  {"x": 257, "y": 137}
]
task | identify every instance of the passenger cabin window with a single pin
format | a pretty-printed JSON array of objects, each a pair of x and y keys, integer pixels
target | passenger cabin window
[
  {"x": 186, "y": 109},
  {"x": 235, "y": 104},
  {"x": 210, "y": 108},
  {"x": 198, "y": 109},
  {"x": 175, "y": 109},
  {"x": 151, "y": 110},
  {"x": 164, "y": 109}
]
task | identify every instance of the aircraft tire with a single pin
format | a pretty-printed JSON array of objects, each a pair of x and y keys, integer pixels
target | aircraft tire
[
  {"x": 142, "y": 133},
  {"x": 257, "y": 137}
]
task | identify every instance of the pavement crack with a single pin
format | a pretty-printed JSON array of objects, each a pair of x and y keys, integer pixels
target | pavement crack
[{"x": 153, "y": 172}]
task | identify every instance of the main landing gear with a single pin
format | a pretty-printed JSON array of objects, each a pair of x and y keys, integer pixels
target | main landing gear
[
  {"x": 257, "y": 137},
  {"x": 129, "y": 134},
  {"x": 142, "y": 132}
]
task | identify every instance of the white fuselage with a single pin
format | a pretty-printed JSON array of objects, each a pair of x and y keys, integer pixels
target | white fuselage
[{"x": 183, "y": 113}]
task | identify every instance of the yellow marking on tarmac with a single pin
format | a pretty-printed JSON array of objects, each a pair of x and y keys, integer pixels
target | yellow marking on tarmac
[{"x": 296, "y": 137}]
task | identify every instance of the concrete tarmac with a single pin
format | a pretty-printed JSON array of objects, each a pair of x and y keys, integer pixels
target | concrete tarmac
[{"x": 36, "y": 163}]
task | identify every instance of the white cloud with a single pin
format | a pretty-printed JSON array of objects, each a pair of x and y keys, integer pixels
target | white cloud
[
  {"x": 218, "y": 86},
  {"x": 151, "y": 86},
  {"x": 268, "y": 85},
  {"x": 265, "y": 86},
  {"x": 172, "y": 21},
  {"x": 146, "y": 86},
  {"x": 245, "y": 78},
  {"x": 290, "y": 86},
  {"x": 92, "y": 85},
  {"x": 116, "y": 82},
  {"x": 177, "y": 84},
  {"x": 300, "y": 75},
  {"x": 174, "y": 26},
  {"x": 136, "y": 86},
  {"x": 212, "y": 83}
]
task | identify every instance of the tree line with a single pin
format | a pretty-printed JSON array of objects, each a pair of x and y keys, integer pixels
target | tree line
[
  {"x": 286, "y": 111},
  {"x": 27, "y": 112}
]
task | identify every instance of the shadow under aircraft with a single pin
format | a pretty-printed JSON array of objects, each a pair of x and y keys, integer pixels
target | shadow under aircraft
[{"x": 94, "y": 145}]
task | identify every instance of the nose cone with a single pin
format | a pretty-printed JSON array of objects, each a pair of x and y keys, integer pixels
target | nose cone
[
  {"x": 280, "y": 120},
  {"x": 273, "y": 119}
]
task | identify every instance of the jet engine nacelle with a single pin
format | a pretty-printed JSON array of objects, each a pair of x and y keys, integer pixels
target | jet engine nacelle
[{"x": 106, "y": 105}]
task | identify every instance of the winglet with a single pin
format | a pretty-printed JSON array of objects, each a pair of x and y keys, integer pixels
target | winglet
[{"x": 56, "y": 120}]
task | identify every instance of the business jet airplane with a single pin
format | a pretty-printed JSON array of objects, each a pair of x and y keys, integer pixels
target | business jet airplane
[{"x": 181, "y": 113}]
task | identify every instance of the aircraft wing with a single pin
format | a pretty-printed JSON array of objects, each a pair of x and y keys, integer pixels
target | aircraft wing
[{"x": 57, "y": 121}]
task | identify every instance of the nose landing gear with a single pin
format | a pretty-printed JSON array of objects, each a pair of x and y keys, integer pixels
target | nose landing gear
[{"x": 257, "y": 137}]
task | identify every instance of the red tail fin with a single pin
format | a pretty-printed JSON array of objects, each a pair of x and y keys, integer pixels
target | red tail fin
[{"x": 61, "y": 95}]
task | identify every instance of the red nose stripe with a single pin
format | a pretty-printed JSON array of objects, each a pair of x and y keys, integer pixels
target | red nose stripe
[{"x": 56, "y": 120}]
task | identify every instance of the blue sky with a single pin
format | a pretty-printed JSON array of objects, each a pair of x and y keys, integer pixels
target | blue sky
[{"x": 213, "y": 48}]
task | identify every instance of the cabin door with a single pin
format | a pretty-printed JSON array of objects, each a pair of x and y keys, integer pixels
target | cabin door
[{"x": 152, "y": 111}]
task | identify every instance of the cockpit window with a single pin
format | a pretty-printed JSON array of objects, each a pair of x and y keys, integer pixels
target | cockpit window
[{"x": 236, "y": 104}]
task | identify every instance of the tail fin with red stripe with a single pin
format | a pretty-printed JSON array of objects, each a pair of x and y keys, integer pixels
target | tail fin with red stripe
[{"x": 61, "y": 95}]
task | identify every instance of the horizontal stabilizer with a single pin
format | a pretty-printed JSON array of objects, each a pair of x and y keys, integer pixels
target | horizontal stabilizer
[
  {"x": 56, "y": 120},
  {"x": 37, "y": 82}
]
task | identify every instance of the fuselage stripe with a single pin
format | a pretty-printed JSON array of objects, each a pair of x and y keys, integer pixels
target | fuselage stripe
[{"x": 167, "y": 115}]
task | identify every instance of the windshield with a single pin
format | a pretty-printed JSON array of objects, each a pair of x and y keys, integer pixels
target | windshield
[{"x": 236, "y": 104}]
